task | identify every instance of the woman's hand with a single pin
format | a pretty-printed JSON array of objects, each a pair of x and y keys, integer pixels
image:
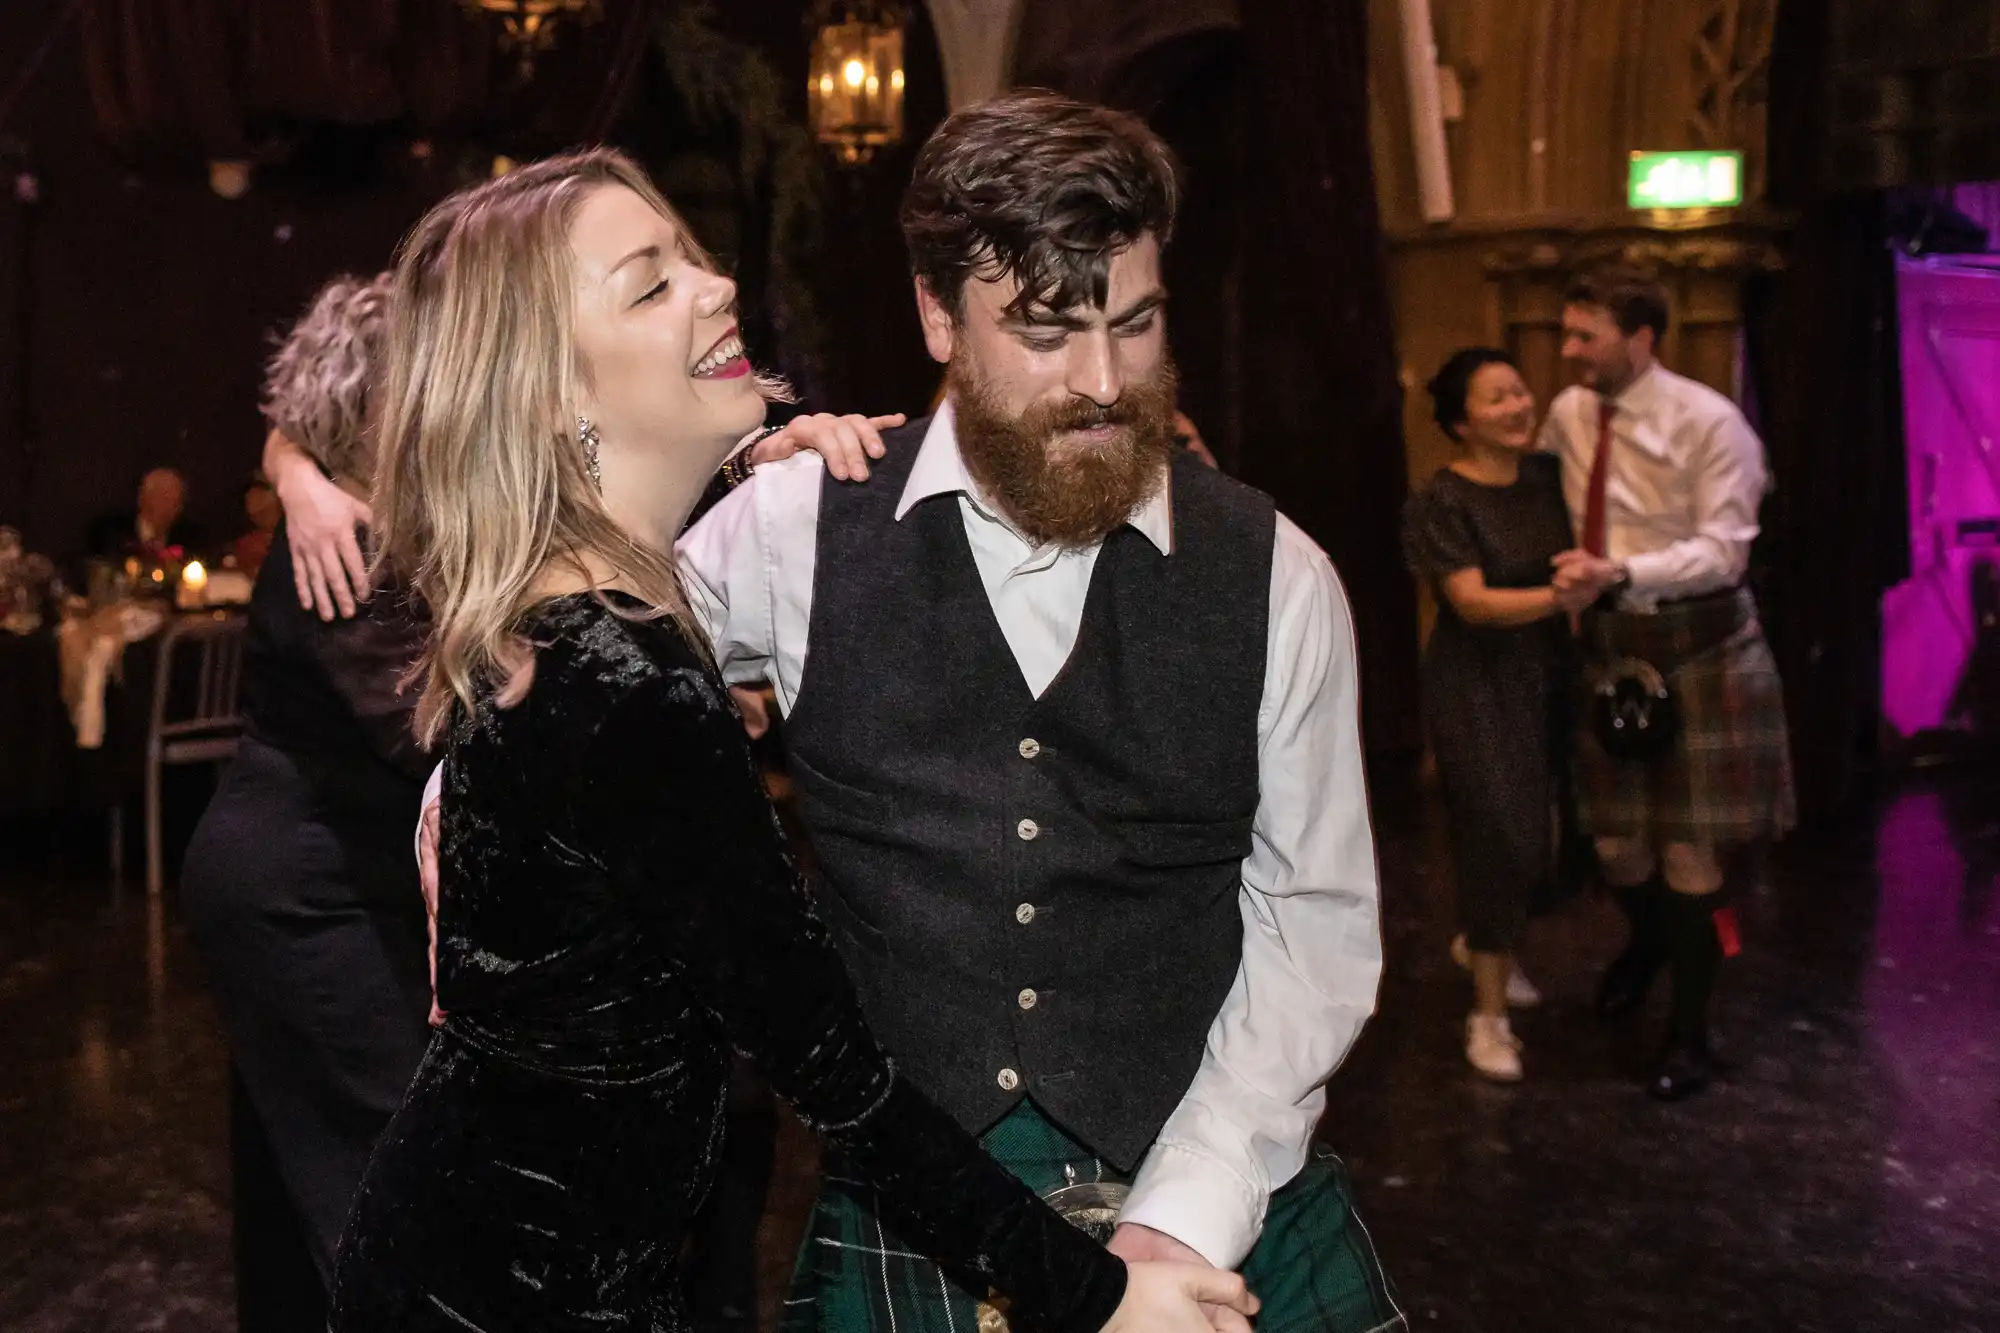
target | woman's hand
[
  {"x": 320, "y": 523},
  {"x": 1581, "y": 578},
  {"x": 1182, "y": 1298},
  {"x": 751, "y": 702},
  {"x": 845, "y": 442},
  {"x": 1575, "y": 598}
]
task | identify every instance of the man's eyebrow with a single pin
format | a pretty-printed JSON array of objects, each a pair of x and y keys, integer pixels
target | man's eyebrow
[
  {"x": 1041, "y": 317},
  {"x": 1139, "y": 309}
]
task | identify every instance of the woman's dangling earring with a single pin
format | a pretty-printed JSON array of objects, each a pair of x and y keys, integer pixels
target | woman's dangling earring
[{"x": 586, "y": 431}]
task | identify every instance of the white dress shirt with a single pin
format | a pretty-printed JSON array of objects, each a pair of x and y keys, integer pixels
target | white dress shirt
[
  {"x": 1686, "y": 478},
  {"x": 1312, "y": 948}
]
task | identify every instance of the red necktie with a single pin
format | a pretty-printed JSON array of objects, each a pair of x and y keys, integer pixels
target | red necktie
[{"x": 1600, "y": 473}]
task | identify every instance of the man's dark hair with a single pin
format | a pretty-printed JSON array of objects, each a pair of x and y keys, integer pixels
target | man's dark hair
[
  {"x": 1039, "y": 187},
  {"x": 1635, "y": 300},
  {"x": 1449, "y": 387}
]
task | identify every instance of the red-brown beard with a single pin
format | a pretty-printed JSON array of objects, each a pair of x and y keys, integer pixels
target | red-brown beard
[{"x": 1080, "y": 494}]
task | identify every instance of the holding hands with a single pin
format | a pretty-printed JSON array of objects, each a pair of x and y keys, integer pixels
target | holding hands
[
  {"x": 1181, "y": 1298},
  {"x": 1154, "y": 1256},
  {"x": 1581, "y": 578}
]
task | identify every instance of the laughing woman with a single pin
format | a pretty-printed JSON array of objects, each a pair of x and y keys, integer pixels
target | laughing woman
[
  {"x": 1483, "y": 535},
  {"x": 618, "y": 909}
]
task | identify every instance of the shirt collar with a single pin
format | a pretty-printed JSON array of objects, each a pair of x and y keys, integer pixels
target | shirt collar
[
  {"x": 1636, "y": 396},
  {"x": 940, "y": 470}
]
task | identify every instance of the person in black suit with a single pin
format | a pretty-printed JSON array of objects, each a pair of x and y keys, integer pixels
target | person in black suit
[
  {"x": 300, "y": 894},
  {"x": 156, "y": 524}
]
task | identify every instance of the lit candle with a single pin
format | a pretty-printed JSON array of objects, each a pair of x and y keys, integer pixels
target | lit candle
[{"x": 194, "y": 585}]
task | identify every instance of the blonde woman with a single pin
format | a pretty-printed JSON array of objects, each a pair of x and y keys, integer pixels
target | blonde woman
[{"x": 618, "y": 908}]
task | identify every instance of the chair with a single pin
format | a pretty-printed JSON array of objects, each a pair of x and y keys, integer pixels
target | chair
[{"x": 213, "y": 644}]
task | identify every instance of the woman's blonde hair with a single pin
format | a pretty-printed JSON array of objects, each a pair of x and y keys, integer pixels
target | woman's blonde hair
[
  {"x": 318, "y": 384},
  {"x": 482, "y": 483}
]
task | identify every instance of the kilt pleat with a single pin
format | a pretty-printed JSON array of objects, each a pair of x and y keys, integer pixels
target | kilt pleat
[{"x": 1728, "y": 779}]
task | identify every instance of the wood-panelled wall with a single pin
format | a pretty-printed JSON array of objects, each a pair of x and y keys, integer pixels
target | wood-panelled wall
[{"x": 1555, "y": 96}]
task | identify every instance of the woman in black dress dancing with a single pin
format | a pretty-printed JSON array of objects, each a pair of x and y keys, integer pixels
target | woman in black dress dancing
[
  {"x": 1483, "y": 534},
  {"x": 618, "y": 910},
  {"x": 300, "y": 896}
]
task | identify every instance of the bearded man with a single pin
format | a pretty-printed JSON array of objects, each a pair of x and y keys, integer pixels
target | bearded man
[{"x": 1077, "y": 748}]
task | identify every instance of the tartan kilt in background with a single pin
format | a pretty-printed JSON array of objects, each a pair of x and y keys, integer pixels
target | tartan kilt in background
[
  {"x": 1314, "y": 1267},
  {"x": 1729, "y": 778}
]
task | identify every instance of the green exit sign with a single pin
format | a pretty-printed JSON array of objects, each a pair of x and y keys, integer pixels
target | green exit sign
[{"x": 1686, "y": 180}]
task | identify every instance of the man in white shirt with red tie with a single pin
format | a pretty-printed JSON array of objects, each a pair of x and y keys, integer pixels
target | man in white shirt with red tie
[{"x": 1683, "y": 752}]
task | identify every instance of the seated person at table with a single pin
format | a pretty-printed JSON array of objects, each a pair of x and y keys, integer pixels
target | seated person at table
[
  {"x": 156, "y": 524},
  {"x": 261, "y": 507}
]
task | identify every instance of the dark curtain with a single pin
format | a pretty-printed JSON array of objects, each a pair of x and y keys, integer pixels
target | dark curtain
[
  {"x": 1909, "y": 88},
  {"x": 1322, "y": 405},
  {"x": 1824, "y": 357},
  {"x": 1281, "y": 307},
  {"x": 1110, "y": 50},
  {"x": 1866, "y": 96},
  {"x": 1823, "y": 349}
]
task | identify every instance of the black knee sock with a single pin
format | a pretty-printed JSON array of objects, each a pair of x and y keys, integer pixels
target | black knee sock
[
  {"x": 1696, "y": 955},
  {"x": 1645, "y": 907}
]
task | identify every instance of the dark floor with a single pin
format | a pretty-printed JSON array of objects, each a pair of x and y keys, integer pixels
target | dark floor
[{"x": 1847, "y": 1178}]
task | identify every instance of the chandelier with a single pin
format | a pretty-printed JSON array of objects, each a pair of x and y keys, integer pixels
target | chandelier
[
  {"x": 854, "y": 88},
  {"x": 528, "y": 27}
]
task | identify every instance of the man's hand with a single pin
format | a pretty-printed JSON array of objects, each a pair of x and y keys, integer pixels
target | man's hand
[
  {"x": 845, "y": 442},
  {"x": 427, "y": 871},
  {"x": 320, "y": 523},
  {"x": 752, "y": 702},
  {"x": 1576, "y": 567},
  {"x": 1580, "y": 570},
  {"x": 1137, "y": 1245}
]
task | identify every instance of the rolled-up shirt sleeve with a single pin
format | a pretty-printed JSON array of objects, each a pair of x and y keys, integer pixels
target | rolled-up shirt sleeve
[
  {"x": 1729, "y": 478},
  {"x": 727, "y": 577},
  {"x": 1312, "y": 939}
]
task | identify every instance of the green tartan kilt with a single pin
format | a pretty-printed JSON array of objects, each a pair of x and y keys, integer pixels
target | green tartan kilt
[{"x": 1315, "y": 1266}]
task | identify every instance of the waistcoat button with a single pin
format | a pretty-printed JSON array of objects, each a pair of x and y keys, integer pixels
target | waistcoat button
[
  {"x": 1030, "y": 748},
  {"x": 1025, "y": 913},
  {"x": 1028, "y": 829},
  {"x": 1009, "y": 1080},
  {"x": 1028, "y": 999}
]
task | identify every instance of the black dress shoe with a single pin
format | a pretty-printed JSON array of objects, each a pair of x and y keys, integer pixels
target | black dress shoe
[
  {"x": 1683, "y": 1072},
  {"x": 1626, "y": 984}
]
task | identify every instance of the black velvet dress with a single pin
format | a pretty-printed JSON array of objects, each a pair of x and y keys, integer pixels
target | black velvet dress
[{"x": 618, "y": 913}]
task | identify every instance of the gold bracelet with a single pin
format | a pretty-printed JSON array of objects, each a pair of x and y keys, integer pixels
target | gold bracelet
[{"x": 736, "y": 468}]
